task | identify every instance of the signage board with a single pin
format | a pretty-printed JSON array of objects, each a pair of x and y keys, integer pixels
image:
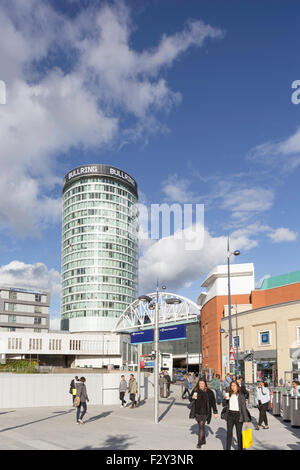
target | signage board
[{"x": 166, "y": 333}]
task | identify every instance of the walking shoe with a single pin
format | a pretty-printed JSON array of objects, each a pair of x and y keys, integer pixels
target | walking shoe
[
  {"x": 77, "y": 422},
  {"x": 198, "y": 446},
  {"x": 80, "y": 421},
  {"x": 122, "y": 406}
]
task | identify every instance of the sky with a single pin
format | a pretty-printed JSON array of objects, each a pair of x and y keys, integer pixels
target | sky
[{"x": 192, "y": 98}]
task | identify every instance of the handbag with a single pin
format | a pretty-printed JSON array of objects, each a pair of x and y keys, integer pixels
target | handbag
[
  {"x": 247, "y": 438},
  {"x": 224, "y": 412},
  {"x": 76, "y": 401}
]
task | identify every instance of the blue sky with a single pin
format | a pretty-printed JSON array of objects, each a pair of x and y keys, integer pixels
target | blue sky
[{"x": 193, "y": 99}]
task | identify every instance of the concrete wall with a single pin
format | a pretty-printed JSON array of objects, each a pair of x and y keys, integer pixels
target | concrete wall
[{"x": 31, "y": 390}]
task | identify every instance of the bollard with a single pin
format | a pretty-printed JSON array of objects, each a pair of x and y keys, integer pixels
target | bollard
[
  {"x": 295, "y": 411},
  {"x": 286, "y": 407},
  {"x": 276, "y": 403}
]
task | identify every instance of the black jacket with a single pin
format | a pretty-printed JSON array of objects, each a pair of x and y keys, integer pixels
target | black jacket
[
  {"x": 211, "y": 405},
  {"x": 244, "y": 391},
  {"x": 245, "y": 416}
]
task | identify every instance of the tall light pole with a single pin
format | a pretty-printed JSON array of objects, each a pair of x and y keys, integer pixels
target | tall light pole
[
  {"x": 156, "y": 348},
  {"x": 235, "y": 253}
]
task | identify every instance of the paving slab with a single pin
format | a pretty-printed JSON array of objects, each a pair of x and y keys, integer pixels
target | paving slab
[{"x": 115, "y": 428}]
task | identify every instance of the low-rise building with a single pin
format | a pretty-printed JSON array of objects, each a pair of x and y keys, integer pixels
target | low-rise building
[
  {"x": 24, "y": 310},
  {"x": 272, "y": 333}
]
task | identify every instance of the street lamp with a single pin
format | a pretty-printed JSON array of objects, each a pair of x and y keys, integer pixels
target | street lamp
[
  {"x": 235, "y": 253},
  {"x": 155, "y": 305}
]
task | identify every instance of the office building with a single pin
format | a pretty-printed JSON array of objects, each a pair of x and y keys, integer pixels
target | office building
[
  {"x": 99, "y": 247},
  {"x": 24, "y": 310}
]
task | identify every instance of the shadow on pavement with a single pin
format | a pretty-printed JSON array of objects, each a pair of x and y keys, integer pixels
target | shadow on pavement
[
  {"x": 36, "y": 421},
  {"x": 119, "y": 442},
  {"x": 95, "y": 418},
  {"x": 167, "y": 409}
]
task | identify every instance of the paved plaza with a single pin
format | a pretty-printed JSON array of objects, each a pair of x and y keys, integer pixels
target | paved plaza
[{"x": 113, "y": 428}]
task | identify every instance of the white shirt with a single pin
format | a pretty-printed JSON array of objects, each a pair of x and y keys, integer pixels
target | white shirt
[
  {"x": 263, "y": 394},
  {"x": 233, "y": 403}
]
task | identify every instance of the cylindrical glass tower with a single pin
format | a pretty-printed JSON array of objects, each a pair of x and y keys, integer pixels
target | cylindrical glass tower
[{"x": 99, "y": 247}]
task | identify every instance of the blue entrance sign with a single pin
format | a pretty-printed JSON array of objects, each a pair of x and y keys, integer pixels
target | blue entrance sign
[
  {"x": 143, "y": 336},
  {"x": 168, "y": 333}
]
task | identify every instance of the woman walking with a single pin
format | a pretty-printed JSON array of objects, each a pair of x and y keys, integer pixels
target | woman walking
[
  {"x": 81, "y": 392},
  {"x": 263, "y": 396},
  {"x": 236, "y": 415},
  {"x": 203, "y": 402}
]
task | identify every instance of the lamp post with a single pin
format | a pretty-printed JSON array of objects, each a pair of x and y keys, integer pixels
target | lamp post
[
  {"x": 235, "y": 253},
  {"x": 156, "y": 348}
]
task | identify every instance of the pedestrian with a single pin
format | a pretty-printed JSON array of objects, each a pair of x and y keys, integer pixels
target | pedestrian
[
  {"x": 226, "y": 382},
  {"x": 243, "y": 387},
  {"x": 203, "y": 403},
  {"x": 161, "y": 382},
  {"x": 168, "y": 382},
  {"x": 216, "y": 386},
  {"x": 81, "y": 392},
  {"x": 263, "y": 396},
  {"x": 237, "y": 414},
  {"x": 132, "y": 388},
  {"x": 122, "y": 390},
  {"x": 73, "y": 387},
  {"x": 186, "y": 387},
  {"x": 295, "y": 390}
]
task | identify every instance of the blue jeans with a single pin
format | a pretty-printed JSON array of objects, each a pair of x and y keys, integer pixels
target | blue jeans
[
  {"x": 83, "y": 405},
  {"x": 219, "y": 396}
]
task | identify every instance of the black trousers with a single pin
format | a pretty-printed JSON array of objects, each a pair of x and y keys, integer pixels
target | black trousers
[
  {"x": 233, "y": 420},
  {"x": 186, "y": 390},
  {"x": 201, "y": 419},
  {"x": 122, "y": 394},
  {"x": 263, "y": 414}
]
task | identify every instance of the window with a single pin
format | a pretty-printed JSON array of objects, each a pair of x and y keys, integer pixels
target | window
[
  {"x": 37, "y": 320},
  {"x": 38, "y": 298},
  {"x": 264, "y": 338},
  {"x": 206, "y": 327},
  {"x": 12, "y": 318}
]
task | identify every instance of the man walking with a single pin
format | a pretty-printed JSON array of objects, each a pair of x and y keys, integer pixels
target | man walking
[
  {"x": 168, "y": 381},
  {"x": 122, "y": 390},
  {"x": 72, "y": 390},
  {"x": 216, "y": 386},
  {"x": 132, "y": 388},
  {"x": 186, "y": 385}
]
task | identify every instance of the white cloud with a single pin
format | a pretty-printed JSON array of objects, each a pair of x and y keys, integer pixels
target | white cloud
[
  {"x": 283, "y": 234},
  {"x": 284, "y": 154},
  {"x": 71, "y": 83},
  {"x": 169, "y": 261},
  {"x": 178, "y": 190},
  {"x": 247, "y": 201},
  {"x": 32, "y": 276}
]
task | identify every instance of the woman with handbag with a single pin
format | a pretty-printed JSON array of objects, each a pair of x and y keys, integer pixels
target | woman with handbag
[
  {"x": 236, "y": 414},
  {"x": 81, "y": 393},
  {"x": 202, "y": 403}
]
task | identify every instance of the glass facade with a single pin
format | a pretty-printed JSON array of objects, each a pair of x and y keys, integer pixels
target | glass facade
[{"x": 99, "y": 246}]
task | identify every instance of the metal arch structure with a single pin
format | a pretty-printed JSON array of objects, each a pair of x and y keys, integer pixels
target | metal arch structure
[{"x": 140, "y": 315}]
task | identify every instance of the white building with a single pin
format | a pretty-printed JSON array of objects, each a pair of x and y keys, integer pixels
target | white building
[
  {"x": 64, "y": 349},
  {"x": 242, "y": 281}
]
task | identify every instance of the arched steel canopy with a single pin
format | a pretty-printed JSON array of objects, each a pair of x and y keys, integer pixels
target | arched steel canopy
[{"x": 139, "y": 313}]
